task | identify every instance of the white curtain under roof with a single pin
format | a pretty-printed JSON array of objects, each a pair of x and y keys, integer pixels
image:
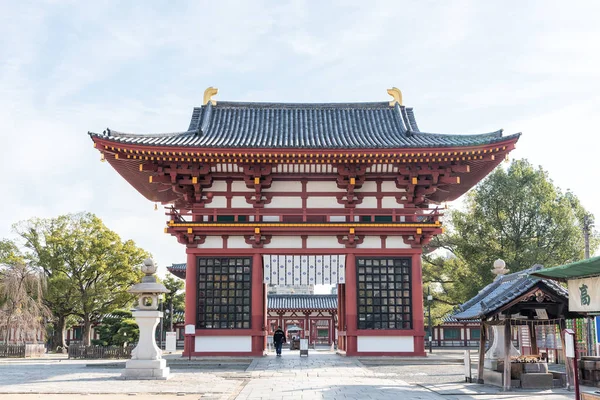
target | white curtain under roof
[{"x": 304, "y": 270}]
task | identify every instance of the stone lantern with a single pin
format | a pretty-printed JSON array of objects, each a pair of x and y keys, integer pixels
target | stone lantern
[
  {"x": 496, "y": 351},
  {"x": 146, "y": 358}
]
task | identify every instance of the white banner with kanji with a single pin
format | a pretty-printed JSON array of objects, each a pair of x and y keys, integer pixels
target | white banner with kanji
[
  {"x": 304, "y": 270},
  {"x": 584, "y": 294}
]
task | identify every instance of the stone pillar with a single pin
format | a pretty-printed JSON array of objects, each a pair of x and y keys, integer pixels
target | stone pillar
[{"x": 496, "y": 351}]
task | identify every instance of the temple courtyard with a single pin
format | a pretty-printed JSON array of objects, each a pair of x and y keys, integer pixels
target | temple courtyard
[{"x": 321, "y": 375}]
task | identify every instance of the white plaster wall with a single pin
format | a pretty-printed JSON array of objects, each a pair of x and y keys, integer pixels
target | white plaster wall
[
  {"x": 370, "y": 242},
  {"x": 218, "y": 202},
  {"x": 368, "y": 202},
  {"x": 292, "y": 242},
  {"x": 388, "y": 186},
  {"x": 323, "y": 202},
  {"x": 223, "y": 343},
  {"x": 337, "y": 218},
  {"x": 240, "y": 186},
  {"x": 321, "y": 187},
  {"x": 323, "y": 242},
  {"x": 285, "y": 202},
  {"x": 368, "y": 186},
  {"x": 285, "y": 186},
  {"x": 396, "y": 242},
  {"x": 218, "y": 186},
  {"x": 236, "y": 242},
  {"x": 390, "y": 202},
  {"x": 386, "y": 344},
  {"x": 239, "y": 202},
  {"x": 212, "y": 242}
]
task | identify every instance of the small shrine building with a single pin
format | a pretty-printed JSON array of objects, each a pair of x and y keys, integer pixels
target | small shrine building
[{"x": 285, "y": 193}]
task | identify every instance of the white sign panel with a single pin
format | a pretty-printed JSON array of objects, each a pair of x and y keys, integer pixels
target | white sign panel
[
  {"x": 467, "y": 358},
  {"x": 171, "y": 342},
  {"x": 304, "y": 344},
  {"x": 569, "y": 343},
  {"x": 584, "y": 294},
  {"x": 190, "y": 329}
]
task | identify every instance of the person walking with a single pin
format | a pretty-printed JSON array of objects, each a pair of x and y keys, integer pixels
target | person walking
[{"x": 278, "y": 340}]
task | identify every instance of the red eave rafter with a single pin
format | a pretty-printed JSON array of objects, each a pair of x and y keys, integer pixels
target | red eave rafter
[
  {"x": 282, "y": 228},
  {"x": 417, "y": 155}
]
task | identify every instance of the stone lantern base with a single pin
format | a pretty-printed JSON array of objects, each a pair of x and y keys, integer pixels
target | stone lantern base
[
  {"x": 146, "y": 369},
  {"x": 146, "y": 359}
]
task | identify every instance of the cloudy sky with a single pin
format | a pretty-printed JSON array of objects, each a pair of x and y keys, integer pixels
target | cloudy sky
[{"x": 68, "y": 67}]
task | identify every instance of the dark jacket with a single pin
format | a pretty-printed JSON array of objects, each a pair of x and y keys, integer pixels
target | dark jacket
[{"x": 279, "y": 336}]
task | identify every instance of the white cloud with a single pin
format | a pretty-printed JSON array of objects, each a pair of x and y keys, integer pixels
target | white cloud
[{"x": 70, "y": 67}]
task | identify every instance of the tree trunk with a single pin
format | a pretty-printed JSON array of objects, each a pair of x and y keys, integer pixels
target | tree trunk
[
  {"x": 58, "y": 336},
  {"x": 87, "y": 330}
]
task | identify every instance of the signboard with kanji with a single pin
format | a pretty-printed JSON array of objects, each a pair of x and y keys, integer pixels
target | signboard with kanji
[{"x": 584, "y": 294}]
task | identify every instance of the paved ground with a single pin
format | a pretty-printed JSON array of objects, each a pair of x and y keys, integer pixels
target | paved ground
[{"x": 322, "y": 375}]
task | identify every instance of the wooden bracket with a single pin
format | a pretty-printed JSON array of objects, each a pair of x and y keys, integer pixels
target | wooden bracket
[
  {"x": 350, "y": 240},
  {"x": 257, "y": 240}
]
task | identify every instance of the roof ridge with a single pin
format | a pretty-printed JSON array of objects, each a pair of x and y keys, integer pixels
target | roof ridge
[
  {"x": 112, "y": 133},
  {"x": 247, "y": 104}
]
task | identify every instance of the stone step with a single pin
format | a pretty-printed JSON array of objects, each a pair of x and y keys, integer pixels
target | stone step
[{"x": 537, "y": 380}]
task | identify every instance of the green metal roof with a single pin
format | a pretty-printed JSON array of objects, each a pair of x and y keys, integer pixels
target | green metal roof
[{"x": 578, "y": 269}]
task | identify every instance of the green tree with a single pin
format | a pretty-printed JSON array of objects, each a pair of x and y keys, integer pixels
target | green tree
[
  {"x": 117, "y": 328},
  {"x": 174, "y": 301},
  {"x": 89, "y": 268},
  {"x": 22, "y": 311},
  {"x": 516, "y": 214}
]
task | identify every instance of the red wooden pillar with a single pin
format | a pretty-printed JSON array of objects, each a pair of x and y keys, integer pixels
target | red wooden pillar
[
  {"x": 258, "y": 306},
  {"x": 351, "y": 306},
  {"x": 190, "y": 299},
  {"x": 342, "y": 317},
  {"x": 417, "y": 305},
  {"x": 306, "y": 326},
  {"x": 266, "y": 313},
  {"x": 332, "y": 329}
]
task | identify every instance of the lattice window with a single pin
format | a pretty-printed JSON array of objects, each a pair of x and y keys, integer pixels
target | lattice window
[
  {"x": 224, "y": 293},
  {"x": 451, "y": 333},
  {"x": 384, "y": 293}
]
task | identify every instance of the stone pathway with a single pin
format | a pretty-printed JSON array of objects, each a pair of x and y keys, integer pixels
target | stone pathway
[
  {"x": 73, "y": 377},
  {"x": 323, "y": 376}
]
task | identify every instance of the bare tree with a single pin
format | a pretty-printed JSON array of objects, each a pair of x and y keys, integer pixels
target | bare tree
[{"x": 22, "y": 311}]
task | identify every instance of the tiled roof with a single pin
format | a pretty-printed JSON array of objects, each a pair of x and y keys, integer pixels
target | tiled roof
[
  {"x": 177, "y": 267},
  {"x": 303, "y": 126},
  {"x": 449, "y": 319},
  {"x": 178, "y": 270},
  {"x": 502, "y": 291},
  {"x": 302, "y": 302}
]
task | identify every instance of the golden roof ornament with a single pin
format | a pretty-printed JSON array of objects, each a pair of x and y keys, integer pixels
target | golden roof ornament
[
  {"x": 397, "y": 95},
  {"x": 208, "y": 94}
]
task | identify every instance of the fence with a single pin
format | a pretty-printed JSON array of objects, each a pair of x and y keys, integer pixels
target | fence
[
  {"x": 99, "y": 352},
  {"x": 21, "y": 350}
]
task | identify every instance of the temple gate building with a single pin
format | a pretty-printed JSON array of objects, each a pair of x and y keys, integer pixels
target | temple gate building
[{"x": 298, "y": 194}]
